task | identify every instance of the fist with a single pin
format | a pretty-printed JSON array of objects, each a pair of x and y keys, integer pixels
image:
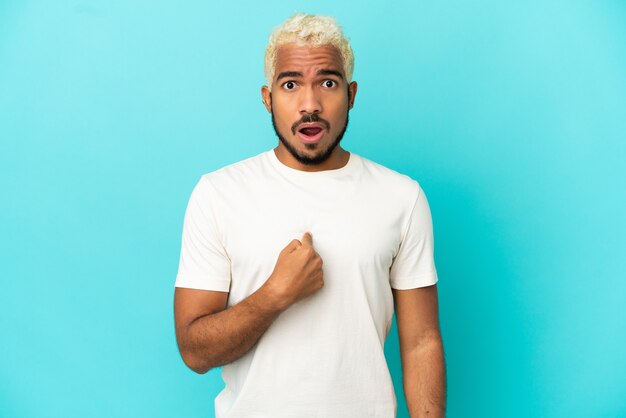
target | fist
[{"x": 297, "y": 273}]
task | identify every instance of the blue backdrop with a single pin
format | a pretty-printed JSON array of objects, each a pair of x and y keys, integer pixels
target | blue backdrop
[{"x": 511, "y": 115}]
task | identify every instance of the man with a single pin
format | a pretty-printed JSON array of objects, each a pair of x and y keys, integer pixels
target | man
[{"x": 292, "y": 260}]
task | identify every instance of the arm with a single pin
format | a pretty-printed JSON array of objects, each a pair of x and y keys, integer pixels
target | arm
[
  {"x": 209, "y": 335},
  {"x": 421, "y": 351}
]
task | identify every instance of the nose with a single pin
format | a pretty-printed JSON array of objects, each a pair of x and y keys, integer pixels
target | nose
[{"x": 310, "y": 102}]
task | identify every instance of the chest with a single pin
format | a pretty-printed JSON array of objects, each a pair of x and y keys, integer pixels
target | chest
[{"x": 357, "y": 235}]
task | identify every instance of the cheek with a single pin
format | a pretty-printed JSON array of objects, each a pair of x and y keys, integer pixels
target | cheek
[
  {"x": 339, "y": 112},
  {"x": 338, "y": 102},
  {"x": 282, "y": 108},
  {"x": 284, "y": 101},
  {"x": 282, "y": 118}
]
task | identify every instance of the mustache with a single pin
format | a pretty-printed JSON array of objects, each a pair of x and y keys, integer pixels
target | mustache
[{"x": 309, "y": 118}]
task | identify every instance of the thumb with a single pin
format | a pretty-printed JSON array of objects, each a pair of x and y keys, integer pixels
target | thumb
[{"x": 307, "y": 239}]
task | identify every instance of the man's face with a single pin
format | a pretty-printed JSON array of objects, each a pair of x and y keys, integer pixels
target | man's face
[{"x": 310, "y": 101}]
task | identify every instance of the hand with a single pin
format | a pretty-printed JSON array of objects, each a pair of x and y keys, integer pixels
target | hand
[{"x": 297, "y": 273}]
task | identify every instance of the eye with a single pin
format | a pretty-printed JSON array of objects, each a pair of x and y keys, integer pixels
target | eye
[
  {"x": 289, "y": 85},
  {"x": 329, "y": 83}
]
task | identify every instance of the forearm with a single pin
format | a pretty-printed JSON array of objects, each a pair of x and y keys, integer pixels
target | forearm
[
  {"x": 424, "y": 379},
  {"x": 223, "y": 337}
]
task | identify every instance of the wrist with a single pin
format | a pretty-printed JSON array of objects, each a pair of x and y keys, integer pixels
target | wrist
[{"x": 272, "y": 298}]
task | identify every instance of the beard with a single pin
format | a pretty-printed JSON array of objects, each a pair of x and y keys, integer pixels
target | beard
[{"x": 318, "y": 158}]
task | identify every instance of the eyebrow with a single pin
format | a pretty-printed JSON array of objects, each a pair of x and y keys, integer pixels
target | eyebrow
[
  {"x": 299, "y": 74},
  {"x": 330, "y": 72}
]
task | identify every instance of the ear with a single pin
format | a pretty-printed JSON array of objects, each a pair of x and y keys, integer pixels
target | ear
[
  {"x": 267, "y": 98},
  {"x": 351, "y": 94}
]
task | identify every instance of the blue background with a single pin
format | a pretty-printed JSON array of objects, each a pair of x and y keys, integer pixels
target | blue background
[{"x": 511, "y": 115}]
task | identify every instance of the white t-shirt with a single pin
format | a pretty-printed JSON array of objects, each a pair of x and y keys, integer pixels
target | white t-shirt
[{"x": 324, "y": 355}]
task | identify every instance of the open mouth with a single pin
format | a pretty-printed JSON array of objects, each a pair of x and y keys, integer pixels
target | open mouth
[{"x": 311, "y": 133}]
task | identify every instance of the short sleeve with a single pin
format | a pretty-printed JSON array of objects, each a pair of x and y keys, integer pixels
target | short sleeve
[
  {"x": 414, "y": 263},
  {"x": 203, "y": 263}
]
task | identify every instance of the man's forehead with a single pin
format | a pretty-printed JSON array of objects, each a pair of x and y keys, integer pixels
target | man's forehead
[{"x": 295, "y": 55}]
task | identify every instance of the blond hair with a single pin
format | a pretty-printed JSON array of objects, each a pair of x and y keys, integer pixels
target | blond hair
[{"x": 309, "y": 30}]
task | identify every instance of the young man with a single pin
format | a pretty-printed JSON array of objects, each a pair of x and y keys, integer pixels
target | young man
[{"x": 292, "y": 260}]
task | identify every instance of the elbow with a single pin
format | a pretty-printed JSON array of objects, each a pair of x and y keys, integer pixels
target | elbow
[
  {"x": 194, "y": 363},
  {"x": 200, "y": 370}
]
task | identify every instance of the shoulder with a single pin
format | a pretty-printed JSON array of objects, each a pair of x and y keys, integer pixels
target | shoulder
[
  {"x": 392, "y": 180},
  {"x": 240, "y": 172}
]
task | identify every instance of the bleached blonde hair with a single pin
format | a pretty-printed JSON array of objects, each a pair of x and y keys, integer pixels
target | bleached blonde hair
[{"x": 310, "y": 30}]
